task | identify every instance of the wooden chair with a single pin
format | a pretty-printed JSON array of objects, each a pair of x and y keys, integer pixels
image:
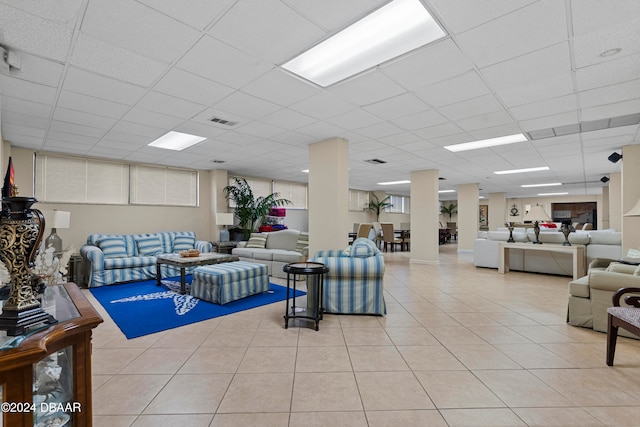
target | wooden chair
[
  {"x": 453, "y": 230},
  {"x": 389, "y": 237},
  {"x": 627, "y": 317},
  {"x": 363, "y": 230}
]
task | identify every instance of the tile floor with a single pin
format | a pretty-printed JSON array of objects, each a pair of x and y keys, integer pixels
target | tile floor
[{"x": 460, "y": 346}]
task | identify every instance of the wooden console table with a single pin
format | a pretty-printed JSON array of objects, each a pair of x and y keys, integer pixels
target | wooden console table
[{"x": 577, "y": 251}]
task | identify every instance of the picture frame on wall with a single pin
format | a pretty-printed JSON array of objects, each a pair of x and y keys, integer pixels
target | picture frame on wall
[{"x": 484, "y": 215}]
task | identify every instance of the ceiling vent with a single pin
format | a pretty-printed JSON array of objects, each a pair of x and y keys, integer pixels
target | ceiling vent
[
  {"x": 375, "y": 161},
  {"x": 613, "y": 122},
  {"x": 222, "y": 121}
]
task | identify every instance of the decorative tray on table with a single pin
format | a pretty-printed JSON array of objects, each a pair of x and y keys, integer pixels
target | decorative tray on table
[{"x": 190, "y": 253}]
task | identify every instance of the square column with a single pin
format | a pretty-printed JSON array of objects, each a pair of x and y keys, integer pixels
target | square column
[
  {"x": 615, "y": 201},
  {"x": 630, "y": 196},
  {"x": 468, "y": 214},
  {"x": 424, "y": 217},
  {"x": 328, "y": 195},
  {"x": 497, "y": 210}
]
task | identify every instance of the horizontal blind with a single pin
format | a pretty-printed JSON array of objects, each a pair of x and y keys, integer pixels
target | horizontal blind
[
  {"x": 153, "y": 185},
  {"x": 294, "y": 191},
  {"x": 260, "y": 187},
  {"x": 358, "y": 200}
]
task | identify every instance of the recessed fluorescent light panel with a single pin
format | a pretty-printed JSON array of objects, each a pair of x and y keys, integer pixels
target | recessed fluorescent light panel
[
  {"x": 552, "y": 194},
  {"x": 542, "y": 168},
  {"x": 551, "y": 184},
  {"x": 394, "y": 182},
  {"x": 176, "y": 141},
  {"x": 395, "y": 29},
  {"x": 446, "y": 191},
  {"x": 484, "y": 143}
]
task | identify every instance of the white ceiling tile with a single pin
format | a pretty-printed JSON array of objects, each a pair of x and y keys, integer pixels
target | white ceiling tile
[
  {"x": 549, "y": 121},
  {"x": 198, "y": 14},
  {"x": 287, "y": 119},
  {"x": 320, "y": 130},
  {"x": 367, "y": 88},
  {"x": 398, "y": 106},
  {"x": 380, "y": 130},
  {"x": 38, "y": 70},
  {"x": 23, "y": 89},
  {"x": 610, "y": 94},
  {"x": 259, "y": 129},
  {"x": 584, "y": 12},
  {"x": 79, "y": 102},
  {"x": 186, "y": 85},
  {"x": 100, "y": 57},
  {"x": 96, "y": 85},
  {"x": 23, "y": 106},
  {"x": 454, "y": 90},
  {"x": 475, "y": 12},
  {"x": 10, "y": 129},
  {"x": 472, "y": 107},
  {"x": 438, "y": 131},
  {"x": 334, "y": 14},
  {"x": 294, "y": 138},
  {"x": 20, "y": 119},
  {"x": 322, "y": 106},
  {"x": 82, "y": 118},
  {"x": 149, "y": 118},
  {"x": 611, "y": 110},
  {"x": 200, "y": 129},
  {"x": 76, "y": 129},
  {"x": 265, "y": 28},
  {"x": 141, "y": 130},
  {"x": 617, "y": 70},
  {"x": 138, "y": 28},
  {"x": 228, "y": 66},
  {"x": 483, "y": 121},
  {"x": 421, "y": 120},
  {"x": 280, "y": 87},
  {"x": 623, "y": 36},
  {"x": 536, "y": 26},
  {"x": 246, "y": 105},
  {"x": 73, "y": 138},
  {"x": 354, "y": 119},
  {"x": 433, "y": 63},
  {"x": 32, "y": 142},
  {"x": 538, "y": 90},
  {"x": 496, "y": 131},
  {"x": 399, "y": 139},
  {"x": 547, "y": 107},
  {"x": 169, "y": 105}
]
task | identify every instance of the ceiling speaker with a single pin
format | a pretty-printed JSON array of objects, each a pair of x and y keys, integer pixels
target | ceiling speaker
[
  {"x": 604, "y": 179},
  {"x": 614, "y": 157}
]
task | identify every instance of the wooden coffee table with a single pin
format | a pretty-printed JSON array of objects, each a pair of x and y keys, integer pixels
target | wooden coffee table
[{"x": 176, "y": 260}]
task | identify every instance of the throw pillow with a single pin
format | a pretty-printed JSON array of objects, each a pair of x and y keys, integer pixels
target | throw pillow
[
  {"x": 183, "y": 243},
  {"x": 148, "y": 245},
  {"x": 363, "y": 248},
  {"x": 636, "y": 272},
  {"x": 113, "y": 247},
  {"x": 257, "y": 241},
  {"x": 303, "y": 241}
]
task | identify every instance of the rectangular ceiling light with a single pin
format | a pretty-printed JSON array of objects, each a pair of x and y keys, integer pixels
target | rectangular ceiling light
[
  {"x": 394, "y": 182},
  {"x": 552, "y": 194},
  {"x": 176, "y": 141},
  {"x": 551, "y": 184},
  {"x": 446, "y": 191},
  {"x": 392, "y": 30},
  {"x": 484, "y": 143},
  {"x": 541, "y": 168}
]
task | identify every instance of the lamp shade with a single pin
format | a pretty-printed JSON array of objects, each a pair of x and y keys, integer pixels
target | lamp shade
[
  {"x": 224, "y": 219},
  {"x": 58, "y": 219},
  {"x": 537, "y": 214},
  {"x": 635, "y": 211}
]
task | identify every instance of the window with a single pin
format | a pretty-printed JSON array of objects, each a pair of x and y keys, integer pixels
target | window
[
  {"x": 259, "y": 187},
  {"x": 358, "y": 200},
  {"x": 61, "y": 179},
  {"x": 294, "y": 191},
  {"x": 401, "y": 204}
]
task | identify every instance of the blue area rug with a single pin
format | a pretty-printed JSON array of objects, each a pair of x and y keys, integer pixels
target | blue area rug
[{"x": 142, "y": 308}]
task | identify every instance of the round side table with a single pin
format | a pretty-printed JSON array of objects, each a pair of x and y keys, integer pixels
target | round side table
[{"x": 314, "y": 271}]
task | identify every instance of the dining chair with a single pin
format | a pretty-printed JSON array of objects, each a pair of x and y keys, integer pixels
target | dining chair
[
  {"x": 389, "y": 237},
  {"x": 378, "y": 230},
  {"x": 626, "y": 317},
  {"x": 364, "y": 230},
  {"x": 453, "y": 230}
]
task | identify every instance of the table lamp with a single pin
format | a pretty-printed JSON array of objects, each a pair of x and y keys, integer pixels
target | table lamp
[
  {"x": 536, "y": 214},
  {"x": 56, "y": 219},
  {"x": 224, "y": 219}
]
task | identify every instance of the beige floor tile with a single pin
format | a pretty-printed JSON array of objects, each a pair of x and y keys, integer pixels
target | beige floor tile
[
  {"x": 522, "y": 389},
  {"x": 214, "y": 360},
  {"x": 324, "y": 419},
  {"x": 499, "y": 335},
  {"x": 323, "y": 359},
  {"x": 481, "y": 418},
  {"x": 392, "y": 391},
  {"x": 512, "y": 319},
  {"x": 159, "y": 360},
  {"x": 376, "y": 358},
  {"x": 190, "y": 394},
  {"x": 411, "y": 336},
  {"x": 268, "y": 359},
  {"x": 474, "y": 319},
  {"x": 127, "y": 394},
  {"x": 278, "y": 337},
  {"x": 366, "y": 336},
  {"x": 98, "y": 380},
  {"x": 430, "y": 358},
  {"x": 327, "y": 391},
  {"x": 483, "y": 356},
  {"x": 615, "y": 415},
  {"x": 113, "y": 420},
  {"x": 556, "y": 417},
  {"x": 188, "y": 336},
  {"x": 246, "y": 420},
  {"x": 258, "y": 393},
  {"x": 173, "y": 420},
  {"x": 399, "y": 320},
  {"x": 229, "y": 337},
  {"x": 532, "y": 356},
  {"x": 107, "y": 361},
  {"x": 359, "y": 321},
  {"x": 454, "y": 335},
  {"x": 420, "y": 418},
  {"x": 457, "y": 389},
  {"x": 541, "y": 334},
  {"x": 324, "y": 337},
  {"x": 436, "y": 319},
  {"x": 582, "y": 355}
]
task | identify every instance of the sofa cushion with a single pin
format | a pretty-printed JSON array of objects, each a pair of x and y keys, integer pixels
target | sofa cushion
[
  {"x": 303, "y": 241},
  {"x": 112, "y": 247},
  {"x": 148, "y": 245},
  {"x": 183, "y": 243},
  {"x": 604, "y": 237},
  {"x": 283, "y": 239},
  {"x": 257, "y": 241},
  {"x": 282, "y": 255},
  {"x": 129, "y": 262},
  {"x": 578, "y": 238},
  {"x": 263, "y": 254},
  {"x": 362, "y": 248}
]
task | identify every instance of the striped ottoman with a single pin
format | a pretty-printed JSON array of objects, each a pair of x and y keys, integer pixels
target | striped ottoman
[{"x": 229, "y": 281}]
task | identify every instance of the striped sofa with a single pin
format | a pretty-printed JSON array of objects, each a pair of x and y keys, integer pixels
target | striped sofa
[
  {"x": 354, "y": 283},
  {"x": 116, "y": 258}
]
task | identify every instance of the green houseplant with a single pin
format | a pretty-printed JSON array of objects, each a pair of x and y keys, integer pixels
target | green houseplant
[
  {"x": 378, "y": 205},
  {"x": 449, "y": 210},
  {"x": 249, "y": 209}
]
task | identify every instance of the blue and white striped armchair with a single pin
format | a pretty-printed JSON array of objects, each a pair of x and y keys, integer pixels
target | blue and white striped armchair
[{"x": 354, "y": 283}]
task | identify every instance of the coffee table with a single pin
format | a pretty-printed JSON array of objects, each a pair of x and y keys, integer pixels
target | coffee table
[{"x": 177, "y": 260}]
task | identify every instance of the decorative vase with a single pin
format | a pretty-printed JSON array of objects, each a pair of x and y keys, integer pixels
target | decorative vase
[
  {"x": 21, "y": 230},
  {"x": 566, "y": 230},
  {"x": 510, "y": 227}
]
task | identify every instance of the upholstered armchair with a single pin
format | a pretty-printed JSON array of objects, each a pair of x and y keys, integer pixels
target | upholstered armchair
[{"x": 354, "y": 283}]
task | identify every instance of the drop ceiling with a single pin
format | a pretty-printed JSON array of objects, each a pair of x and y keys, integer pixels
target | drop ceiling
[{"x": 103, "y": 79}]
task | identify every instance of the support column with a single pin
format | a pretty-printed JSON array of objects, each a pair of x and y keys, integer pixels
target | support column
[
  {"x": 630, "y": 196},
  {"x": 328, "y": 195},
  {"x": 218, "y": 179},
  {"x": 424, "y": 217},
  {"x": 468, "y": 207},
  {"x": 497, "y": 210},
  {"x": 615, "y": 201}
]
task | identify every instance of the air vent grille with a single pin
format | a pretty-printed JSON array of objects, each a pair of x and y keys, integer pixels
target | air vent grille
[
  {"x": 223, "y": 121},
  {"x": 375, "y": 161},
  {"x": 613, "y": 122}
]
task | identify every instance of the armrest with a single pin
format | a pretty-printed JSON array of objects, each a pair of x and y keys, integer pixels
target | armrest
[
  {"x": 343, "y": 266},
  {"x": 632, "y": 300},
  {"x": 610, "y": 281},
  {"x": 600, "y": 263},
  {"x": 203, "y": 246},
  {"x": 332, "y": 253},
  {"x": 241, "y": 244},
  {"x": 94, "y": 256},
  {"x": 618, "y": 267}
]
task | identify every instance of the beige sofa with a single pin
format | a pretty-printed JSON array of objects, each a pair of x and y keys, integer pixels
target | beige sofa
[
  {"x": 280, "y": 248},
  {"x": 590, "y": 296}
]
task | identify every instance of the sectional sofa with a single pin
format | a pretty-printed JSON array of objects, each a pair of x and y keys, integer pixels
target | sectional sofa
[
  {"x": 116, "y": 258},
  {"x": 598, "y": 244}
]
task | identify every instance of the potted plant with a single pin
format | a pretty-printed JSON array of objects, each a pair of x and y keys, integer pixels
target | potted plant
[
  {"x": 449, "y": 210},
  {"x": 378, "y": 205},
  {"x": 249, "y": 209}
]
